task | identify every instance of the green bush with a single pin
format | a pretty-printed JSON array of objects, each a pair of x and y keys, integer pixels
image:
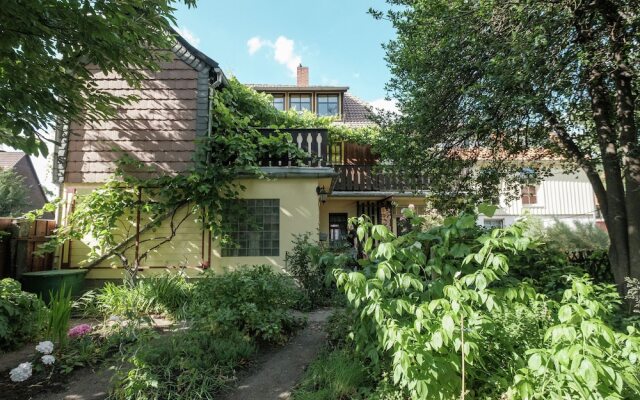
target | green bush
[
  {"x": 254, "y": 300},
  {"x": 167, "y": 294},
  {"x": 335, "y": 376},
  {"x": 307, "y": 266},
  {"x": 22, "y": 315},
  {"x": 567, "y": 237},
  {"x": 422, "y": 295},
  {"x": 185, "y": 365}
]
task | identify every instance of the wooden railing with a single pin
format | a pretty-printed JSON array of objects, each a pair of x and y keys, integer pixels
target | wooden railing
[
  {"x": 365, "y": 178},
  {"x": 313, "y": 143}
]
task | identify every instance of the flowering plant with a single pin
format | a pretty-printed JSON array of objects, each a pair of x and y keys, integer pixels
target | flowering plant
[
  {"x": 45, "y": 347},
  {"x": 21, "y": 373},
  {"x": 78, "y": 331},
  {"x": 48, "y": 359}
]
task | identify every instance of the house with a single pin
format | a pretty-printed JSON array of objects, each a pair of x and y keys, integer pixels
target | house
[
  {"x": 22, "y": 165},
  {"x": 357, "y": 188},
  {"x": 160, "y": 130},
  {"x": 560, "y": 197}
]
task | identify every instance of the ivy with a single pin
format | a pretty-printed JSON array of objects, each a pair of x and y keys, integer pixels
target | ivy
[{"x": 207, "y": 191}]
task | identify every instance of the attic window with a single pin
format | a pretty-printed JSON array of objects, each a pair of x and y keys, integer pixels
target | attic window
[
  {"x": 529, "y": 195},
  {"x": 328, "y": 105},
  {"x": 300, "y": 102},
  {"x": 278, "y": 102}
]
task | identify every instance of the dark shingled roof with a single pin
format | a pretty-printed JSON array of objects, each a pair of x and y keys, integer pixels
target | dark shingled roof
[{"x": 356, "y": 112}]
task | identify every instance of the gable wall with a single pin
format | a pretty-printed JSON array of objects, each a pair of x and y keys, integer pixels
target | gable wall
[{"x": 158, "y": 130}]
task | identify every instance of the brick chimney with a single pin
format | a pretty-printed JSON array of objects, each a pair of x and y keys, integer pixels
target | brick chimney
[{"x": 303, "y": 75}]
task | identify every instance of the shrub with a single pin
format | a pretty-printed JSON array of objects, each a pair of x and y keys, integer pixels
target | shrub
[
  {"x": 186, "y": 365},
  {"x": 164, "y": 294},
  {"x": 22, "y": 315},
  {"x": 567, "y": 237},
  {"x": 306, "y": 265},
  {"x": 431, "y": 302},
  {"x": 254, "y": 300},
  {"x": 334, "y": 376}
]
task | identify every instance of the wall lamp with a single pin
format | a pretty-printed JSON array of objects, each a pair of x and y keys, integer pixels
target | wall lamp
[{"x": 322, "y": 194}]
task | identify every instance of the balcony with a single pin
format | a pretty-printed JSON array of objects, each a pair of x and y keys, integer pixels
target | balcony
[
  {"x": 313, "y": 142},
  {"x": 365, "y": 178}
]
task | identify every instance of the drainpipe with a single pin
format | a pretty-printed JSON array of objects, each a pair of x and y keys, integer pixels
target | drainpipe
[{"x": 212, "y": 87}]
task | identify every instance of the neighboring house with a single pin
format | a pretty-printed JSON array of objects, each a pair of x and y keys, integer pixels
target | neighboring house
[
  {"x": 22, "y": 165},
  {"x": 565, "y": 197},
  {"x": 357, "y": 187}
]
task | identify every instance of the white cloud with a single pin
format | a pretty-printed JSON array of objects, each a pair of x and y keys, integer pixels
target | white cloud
[
  {"x": 254, "y": 44},
  {"x": 190, "y": 36},
  {"x": 284, "y": 51},
  {"x": 385, "y": 105}
]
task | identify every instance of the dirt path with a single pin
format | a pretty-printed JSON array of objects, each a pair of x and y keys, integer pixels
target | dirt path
[{"x": 278, "y": 372}]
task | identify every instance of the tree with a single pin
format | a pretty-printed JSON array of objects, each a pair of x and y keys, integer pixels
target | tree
[
  {"x": 487, "y": 89},
  {"x": 45, "y": 45},
  {"x": 13, "y": 193}
]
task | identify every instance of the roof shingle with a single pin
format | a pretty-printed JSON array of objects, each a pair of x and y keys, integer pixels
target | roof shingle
[{"x": 9, "y": 159}]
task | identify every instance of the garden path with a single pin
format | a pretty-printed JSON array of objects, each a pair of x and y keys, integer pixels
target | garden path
[{"x": 279, "y": 371}]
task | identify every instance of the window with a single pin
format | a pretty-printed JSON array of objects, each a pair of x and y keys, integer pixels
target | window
[
  {"x": 529, "y": 195},
  {"x": 336, "y": 153},
  {"x": 300, "y": 102},
  {"x": 255, "y": 232},
  {"x": 328, "y": 105},
  {"x": 493, "y": 223},
  {"x": 338, "y": 227},
  {"x": 278, "y": 102}
]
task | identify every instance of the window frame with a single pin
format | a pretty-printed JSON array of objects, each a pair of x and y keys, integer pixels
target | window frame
[
  {"x": 279, "y": 96},
  {"x": 292, "y": 95},
  {"x": 527, "y": 198},
  {"x": 500, "y": 220},
  {"x": 244, "y": 235},
  {"x": 338, "y": 104},
  {"x": 332, "y": 241}
]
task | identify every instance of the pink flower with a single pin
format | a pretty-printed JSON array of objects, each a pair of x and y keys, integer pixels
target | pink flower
[{"x": 79, "y": 330}]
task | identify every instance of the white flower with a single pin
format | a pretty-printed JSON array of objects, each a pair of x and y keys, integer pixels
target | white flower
[
  {"x": 48, "y": 359},
  {"x": 21, "y": 373},
  {"x": 45, "y": 347}
]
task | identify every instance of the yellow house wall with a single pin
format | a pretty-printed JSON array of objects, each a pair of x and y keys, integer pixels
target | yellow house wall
[{"x": 299, "y": 213}]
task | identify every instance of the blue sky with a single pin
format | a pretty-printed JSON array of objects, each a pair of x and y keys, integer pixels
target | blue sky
[{"x": 339, "y": 42}]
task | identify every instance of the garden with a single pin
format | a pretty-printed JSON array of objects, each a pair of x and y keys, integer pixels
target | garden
[
  {"x": 459, "y": 311},
  {"x": 166, "y": 337}
]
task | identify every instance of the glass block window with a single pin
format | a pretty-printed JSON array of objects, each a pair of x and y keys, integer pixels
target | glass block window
[
  {"x": 328, "y": 105},
  {"x": 278, "y": 102},
  {"x": 300, "y": 102},
  {"x": 255, "y": 232}
]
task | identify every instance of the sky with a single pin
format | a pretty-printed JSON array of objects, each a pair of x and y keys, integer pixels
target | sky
[{"x": 261, "y": 41}]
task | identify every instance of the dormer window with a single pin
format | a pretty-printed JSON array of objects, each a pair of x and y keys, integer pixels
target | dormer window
[
  {"x": 278, "y": 102},
  {"x": 328, "y": 105},
  {"x": 300, "y": 102}
]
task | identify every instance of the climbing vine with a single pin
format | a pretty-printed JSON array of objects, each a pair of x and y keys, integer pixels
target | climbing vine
[{"x": 111, "y": 218}]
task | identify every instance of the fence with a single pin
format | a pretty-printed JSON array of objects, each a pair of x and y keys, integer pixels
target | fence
[{"x": 19, "y": 241}]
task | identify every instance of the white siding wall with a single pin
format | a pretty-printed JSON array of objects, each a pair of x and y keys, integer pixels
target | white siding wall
[{"x": 568, "y": 197}]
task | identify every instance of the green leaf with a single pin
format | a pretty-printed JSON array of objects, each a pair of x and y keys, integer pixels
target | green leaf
[
  {"x": 565, "y": 313},
  {"x": 487, "y": 209}
]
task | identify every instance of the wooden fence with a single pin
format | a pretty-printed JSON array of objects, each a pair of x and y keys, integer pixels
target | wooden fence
[{"x": 19, "y": 241}]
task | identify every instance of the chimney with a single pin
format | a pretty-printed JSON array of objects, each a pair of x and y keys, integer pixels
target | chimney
[{"x": 303, "y": 76}]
